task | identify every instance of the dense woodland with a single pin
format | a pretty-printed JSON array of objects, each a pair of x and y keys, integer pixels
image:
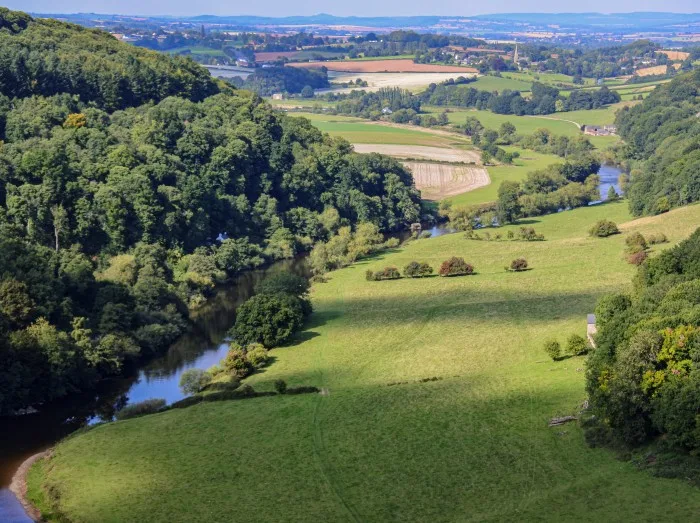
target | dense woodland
[
  {"x": 643, "y": 379},
  {"x": 662, "y": 141},
  {"x": 289, "y": 80},
  {"x": 119, "y": 210}
]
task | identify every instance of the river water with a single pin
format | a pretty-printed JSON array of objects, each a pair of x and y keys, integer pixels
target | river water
[
  {"x": 202, "y": 347},
  {"x": 609, "y": 176}
]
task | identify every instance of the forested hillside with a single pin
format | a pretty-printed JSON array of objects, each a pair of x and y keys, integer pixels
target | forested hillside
[
  {"x": 112, "y": 224},
  {"x": 47, "y": 57},
  {"x": 644, "y": 377},
  {"x": 662, "y": 135}
]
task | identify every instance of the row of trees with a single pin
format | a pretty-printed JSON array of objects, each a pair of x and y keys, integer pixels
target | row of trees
[
  {"x": 543, "y": 99},
  {"x": 267, "y": 81}
]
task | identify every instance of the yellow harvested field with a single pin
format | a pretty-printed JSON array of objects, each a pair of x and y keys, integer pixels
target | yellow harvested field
[
  {"x": 409, "y": 81},
  {"x": 654, "y": 71},
  {"x": 440, "y": 154},
  {"x": 441, "y": 180},
  {"x": 384, "y": 66},
  {"x": 675, "y": 55}
]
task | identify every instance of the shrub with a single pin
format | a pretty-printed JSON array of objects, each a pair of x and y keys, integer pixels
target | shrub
[
  {"x": 553, "y": 349},
  {"x": 280, "y": 386},
  {"x": 369, "y": 275},
  {"x": 603, "y": 229},
  {"x": 257, "y": 355},
  {"x": 235, "y": 363},
  {"x": 388, "y": 273},
  {"x": 141, "y": 408},
  {"x": 577, "y": 345},
  {"x": 392, "y": 243},
  {"x": 417, "y": 270},
  {"x": 529, "y": 234},
  {"x": 270, "y": 319},
  {"x": 304, "y": 389},
  {"x": 656, "y": 238},
  {"x": 635, "y": 243},
  {"x": 425, "y": 235},
  {"x": 518, "y": 265},
  {"x": 194, "y": 380},
  {"x": 662, "y": 205},
  {"x": 455, "y": 267},
  {"x": 637, "y": 258}
]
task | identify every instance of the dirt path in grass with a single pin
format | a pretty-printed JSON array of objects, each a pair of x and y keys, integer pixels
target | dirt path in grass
[
  {"x": 556, "y": 119},
  {"x": 19, "y": 485}
]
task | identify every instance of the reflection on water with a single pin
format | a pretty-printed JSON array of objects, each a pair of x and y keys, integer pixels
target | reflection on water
[
  {"x": 202, "y": 347},
  {"x": 609, "y": 177}
]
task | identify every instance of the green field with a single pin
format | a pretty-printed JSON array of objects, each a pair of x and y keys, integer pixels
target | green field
[
  {"x": 499, "y": 83},
  {"x": 357, "y": 130},
  {"x": 557, "y": 123},
  {"x": 205, "y": 51},
  {"x": 547, "y": 78},
  {"x": 528, "y": 161},
  {"x": 472, "y": 446}
]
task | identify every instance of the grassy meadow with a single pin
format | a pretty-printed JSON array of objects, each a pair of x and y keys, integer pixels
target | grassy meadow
[
  {"x": 357, "y": 130},
  {"x": 381, "y": 445}
]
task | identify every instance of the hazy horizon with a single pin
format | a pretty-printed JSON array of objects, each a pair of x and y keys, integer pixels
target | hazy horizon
[{"x": 360, "y": 8}]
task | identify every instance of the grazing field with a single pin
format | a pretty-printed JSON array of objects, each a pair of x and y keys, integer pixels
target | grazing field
[
  {"x": 385, "y": 66},
  {"x": 555, "y": 79},
  {"x": 499, "y": 83},
  {"x": 527, "y": 162},
  {"x": 437, "y": 181},
  {"x": 382, "y": 445},
  {"x": 357, "y": 130}
]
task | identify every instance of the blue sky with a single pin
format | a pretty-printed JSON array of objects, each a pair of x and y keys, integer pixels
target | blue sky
[{"x": 354, "y": 7}]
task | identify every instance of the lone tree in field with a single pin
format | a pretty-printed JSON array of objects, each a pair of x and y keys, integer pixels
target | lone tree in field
[
  {"x": 553, "y": 349},
  {"x": 456, "y": 267},
  {"x": 194, "y": 380},
  {"x": 603, "y": 229},
  {"x": 270, "y": 319},
  {"x": 518, "y": 265},
  {"x": 508, "y": 204}
]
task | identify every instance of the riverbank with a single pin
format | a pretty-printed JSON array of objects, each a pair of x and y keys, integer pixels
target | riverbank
[{"x": 18, "y": 486}]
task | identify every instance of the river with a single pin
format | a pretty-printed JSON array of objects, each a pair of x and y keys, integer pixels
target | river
[
  {"x": 201, "y": 347},
  {"x": 609, "y": 176}
]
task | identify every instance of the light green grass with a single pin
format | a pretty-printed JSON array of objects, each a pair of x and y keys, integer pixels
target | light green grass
[
  {"x": 473, "y": 446},
  {"x": 548, "y": 78},
  {"x": 528, "y": 161},
  {"x": 496, "y": 83},
  {"x": 357, "y": 130}
]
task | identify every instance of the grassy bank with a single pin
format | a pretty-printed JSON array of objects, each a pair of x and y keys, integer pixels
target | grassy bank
[{"x": 382, "y": 445}]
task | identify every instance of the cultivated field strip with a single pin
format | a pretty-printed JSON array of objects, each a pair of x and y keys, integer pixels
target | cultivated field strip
[
  {"x": 440, "y": 154},
  {"x": 440, "y": 180}
]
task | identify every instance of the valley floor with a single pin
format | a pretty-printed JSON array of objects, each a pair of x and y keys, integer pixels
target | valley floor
[{"x": 383, "y": 445}]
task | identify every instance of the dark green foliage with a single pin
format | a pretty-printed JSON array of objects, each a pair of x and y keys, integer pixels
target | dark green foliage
[
  {"x": 576, "y": 345},
  {"x": 662, "y": 134},
  {"x": 46, "y": 57},
  {"x": 280, "y": 386},
  {"x": 456, "y": 267},
  {"x": 387, "y": 273},
  {"x": 284, "y": 282},
  {"x": 553, "y": 349},
  {"x": 117, "y": 214},
  {"x": 270, "y": 319},
  {"x": 643, "y": 378},
  {"x": 293, "y": 80},
  {"x": 603, "y": 229},
  {"x": 529, "y": 234},
  {"x": 305, "y": 389},
  {"x": 417, "y": 270},
  {"x": 150, "y": 406}
]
